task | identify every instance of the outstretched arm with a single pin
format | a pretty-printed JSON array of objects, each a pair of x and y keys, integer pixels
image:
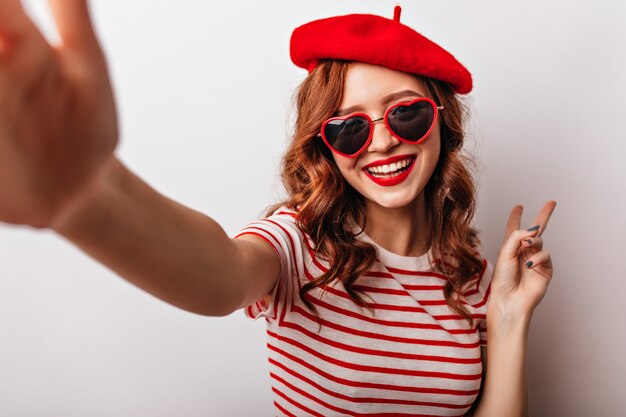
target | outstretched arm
[
  {"x": 520, "y": 280},
  {"x": 173, "y": 252},
  {"x": 58, "y": 132}
]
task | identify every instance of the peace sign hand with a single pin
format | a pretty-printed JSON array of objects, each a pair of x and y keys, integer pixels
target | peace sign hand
[
  {"x": 523, "y": 269},
  {"x": 58, "y": 122}
]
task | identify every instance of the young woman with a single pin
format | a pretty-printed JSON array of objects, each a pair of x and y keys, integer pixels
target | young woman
[{"x": 369, "y": 274}]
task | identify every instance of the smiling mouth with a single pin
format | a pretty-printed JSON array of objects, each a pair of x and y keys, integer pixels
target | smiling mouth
[{"x": 390, "y": 170}]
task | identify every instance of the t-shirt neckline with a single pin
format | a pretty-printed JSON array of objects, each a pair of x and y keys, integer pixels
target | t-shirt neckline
[{"x": 416, "y": 263}]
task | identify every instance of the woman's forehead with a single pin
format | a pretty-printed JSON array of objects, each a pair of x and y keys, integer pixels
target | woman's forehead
[{"x": 367, "y": 84}]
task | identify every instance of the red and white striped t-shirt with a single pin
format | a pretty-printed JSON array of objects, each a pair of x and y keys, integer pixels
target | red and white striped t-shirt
[{"x": 412, "y": 356}]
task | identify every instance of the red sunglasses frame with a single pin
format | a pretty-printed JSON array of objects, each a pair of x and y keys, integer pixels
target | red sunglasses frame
[{"x": 385, "y": 118}]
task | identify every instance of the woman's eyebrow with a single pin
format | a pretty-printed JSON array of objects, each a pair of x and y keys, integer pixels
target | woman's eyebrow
[
  {"x": 385, "y": 100},
  {"x": 400, "y": 94}
]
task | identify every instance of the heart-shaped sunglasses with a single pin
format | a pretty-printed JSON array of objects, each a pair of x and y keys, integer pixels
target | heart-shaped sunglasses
[{"x": 410, "y": 121}]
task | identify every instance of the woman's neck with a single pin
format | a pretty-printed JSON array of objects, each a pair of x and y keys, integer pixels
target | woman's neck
[{"x": 404, "y": 231}]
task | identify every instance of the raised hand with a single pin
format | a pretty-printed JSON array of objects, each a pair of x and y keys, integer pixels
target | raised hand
[
  {"x": 58, "y": 123},
  {"x": 524, "y": 268}
]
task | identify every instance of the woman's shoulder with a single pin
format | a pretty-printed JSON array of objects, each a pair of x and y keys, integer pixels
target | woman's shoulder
[
  {"x": 284, "y": 216},
  {"x": 284, "y": 211},
  {"x": 280, "y": 221}
]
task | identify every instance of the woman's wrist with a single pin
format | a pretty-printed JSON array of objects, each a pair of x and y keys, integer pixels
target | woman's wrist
[
  {"x": 91, "y": 195},
  {"x": 504, "y": 319}
]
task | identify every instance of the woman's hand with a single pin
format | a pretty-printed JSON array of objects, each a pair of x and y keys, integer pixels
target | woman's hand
[
  {"x": 58, "y": 123},
  {"x": 523, "y": 269}
]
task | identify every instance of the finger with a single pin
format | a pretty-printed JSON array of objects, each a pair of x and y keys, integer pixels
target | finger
[
  {"x": 513, "y": 243},
  {"x": 513, "y": 222},
  {"x": 541, "y": 258},
  {"x": 13, "y": 18},
  {"x": 24, "y": 55},
  {"x": 75, "y": 26},
  {"x": 544, "y": 215},
  {"x": 533, "y": 242}
]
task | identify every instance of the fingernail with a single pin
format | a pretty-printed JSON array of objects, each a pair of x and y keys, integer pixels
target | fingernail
[
  {"x": 529, "y": 241},
  {"x": 529, "y": 264},
  {"x": 532, "y": 229}
]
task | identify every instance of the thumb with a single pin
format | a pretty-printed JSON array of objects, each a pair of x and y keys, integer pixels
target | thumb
[{"x": 75, "y": 27}]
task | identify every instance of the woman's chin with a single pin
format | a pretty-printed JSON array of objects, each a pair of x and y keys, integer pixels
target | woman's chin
[{"x": 393, "y": 201}]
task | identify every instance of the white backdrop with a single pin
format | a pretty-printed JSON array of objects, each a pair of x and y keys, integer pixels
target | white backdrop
[{"x": 548, "y": 123}]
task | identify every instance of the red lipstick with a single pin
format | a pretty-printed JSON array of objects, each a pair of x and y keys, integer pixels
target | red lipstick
[
  {"x": 388, "y": 181},
  {"x": 388, "y": 160}
]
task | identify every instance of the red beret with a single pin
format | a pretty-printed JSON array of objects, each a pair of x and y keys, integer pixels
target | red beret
[{"x": 376, "y": 40}]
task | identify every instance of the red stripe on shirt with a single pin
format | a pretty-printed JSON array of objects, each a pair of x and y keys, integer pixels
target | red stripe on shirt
[
  {"x": 297, "y": 404},
  {"x": 380, "y": 336},
  {"x": 373, "y": 352},
  {"x": 411, "y": 325},
  {"x": 373, "y": 400},
  {"x": 283, "y": 410},
  {"x": 372, "y": 385}
]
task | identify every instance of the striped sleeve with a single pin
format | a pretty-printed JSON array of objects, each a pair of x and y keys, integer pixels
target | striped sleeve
[
  {"x": 484, "y": 289},
  {"x": 281, "y": 232}
]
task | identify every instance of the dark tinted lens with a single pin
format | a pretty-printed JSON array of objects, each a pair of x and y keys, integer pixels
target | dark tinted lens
[
  {"x": 411, "y": 122},
  {"x": 347, "y": 136}
]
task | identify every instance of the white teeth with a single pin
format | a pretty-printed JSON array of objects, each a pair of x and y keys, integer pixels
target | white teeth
[{"x": 390, "y": 168}]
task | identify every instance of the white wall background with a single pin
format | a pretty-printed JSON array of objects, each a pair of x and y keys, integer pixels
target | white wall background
[{"x": 548, "y": 123}]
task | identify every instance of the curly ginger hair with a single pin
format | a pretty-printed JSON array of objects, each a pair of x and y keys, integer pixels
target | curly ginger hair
[{"x": 328, "y": 206}]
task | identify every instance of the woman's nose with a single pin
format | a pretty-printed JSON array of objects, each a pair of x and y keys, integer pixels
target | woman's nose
[{"x": 382, "y": 139}]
